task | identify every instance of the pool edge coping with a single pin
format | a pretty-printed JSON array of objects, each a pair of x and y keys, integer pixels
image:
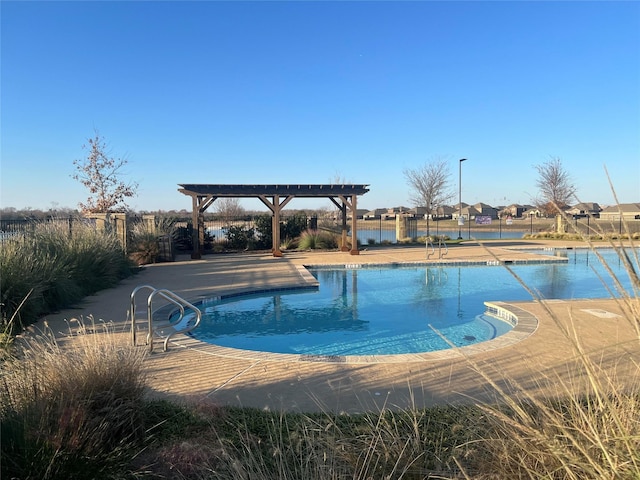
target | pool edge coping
[{"x": 524, "y": 325}]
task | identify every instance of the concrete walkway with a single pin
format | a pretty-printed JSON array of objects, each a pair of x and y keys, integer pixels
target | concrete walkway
[{"x": 538, "y": 352}]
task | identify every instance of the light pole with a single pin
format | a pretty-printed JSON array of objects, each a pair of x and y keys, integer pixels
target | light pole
[{"x": 460, "y": 198}]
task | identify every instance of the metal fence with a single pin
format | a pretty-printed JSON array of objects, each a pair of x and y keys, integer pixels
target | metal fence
[
  {"x": 370, "y": 231},
  {"x": 217, "y": 228},
  {"x": 27, "y": 226},
  {"x": 380, "y": 231}
]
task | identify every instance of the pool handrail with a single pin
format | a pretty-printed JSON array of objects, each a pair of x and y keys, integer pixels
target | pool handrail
[
  {"x": 172, "y": 298},
  {"x": 428, "y": 244},
  {"x": 442, "y": 243}
]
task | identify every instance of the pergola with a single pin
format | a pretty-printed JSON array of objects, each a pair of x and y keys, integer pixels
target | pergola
[{"x": 275, "y": 197}]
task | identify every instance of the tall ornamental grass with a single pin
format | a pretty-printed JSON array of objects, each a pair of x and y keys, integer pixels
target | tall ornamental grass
[
  {"x": 317, "y": 239},
  {"x": 144, "y": 240},
  {"x": 587, "y": 425},
  {"x": 71, "y": 413},
  {"x": 232, "y": 443},
  {"x": 53, "y": 269}
]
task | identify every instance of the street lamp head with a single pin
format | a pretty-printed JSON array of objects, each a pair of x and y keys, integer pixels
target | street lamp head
[{"x": 462, "y": 160}]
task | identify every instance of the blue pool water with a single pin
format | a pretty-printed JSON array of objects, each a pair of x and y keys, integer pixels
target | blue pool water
[{"x": 376, "y": 311}]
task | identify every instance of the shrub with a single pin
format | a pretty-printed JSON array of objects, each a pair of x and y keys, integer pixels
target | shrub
[
  {"x": 72, "y": 413},
  {"x": 53, "y": 269},
  {"x": 264, "y": 231},
  {"x": 240, "y": 237},
  {"x": 289, "y": 244},
  {"x": 290, "y": 230},
  {"x": 293, "y": 226},
  {"x": 144, "y": 240},
  {"x": 143, "y": 245},
  {"x": 317, "y": 239}
]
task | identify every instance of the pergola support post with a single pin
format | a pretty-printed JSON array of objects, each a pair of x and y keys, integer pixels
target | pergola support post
[
  {"x": 275, "y": 206},
  {"x": 344, "y": 207},
  {"x": 200, "y": 205},
  {"x": 196, "y": 254},
  {"x": 354, "y": 226}
]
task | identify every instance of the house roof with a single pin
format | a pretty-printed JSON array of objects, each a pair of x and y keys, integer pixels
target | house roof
[
  {"x": 623, "y": 207},
  {"x": 470, "y": 210},
  {"x": 481, "y": 206},
  {"x": 377, "y": 211},
  {"x": 587, "y": 206}
]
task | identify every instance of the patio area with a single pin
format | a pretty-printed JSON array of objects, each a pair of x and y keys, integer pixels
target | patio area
[{"x": 192, "y": 371}]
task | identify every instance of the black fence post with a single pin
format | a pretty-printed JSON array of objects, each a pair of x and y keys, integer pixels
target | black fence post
[{"x": 531, "y": 222}]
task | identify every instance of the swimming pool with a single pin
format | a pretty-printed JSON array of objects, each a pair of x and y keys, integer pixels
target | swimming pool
[{"x": 393, "y": 310}]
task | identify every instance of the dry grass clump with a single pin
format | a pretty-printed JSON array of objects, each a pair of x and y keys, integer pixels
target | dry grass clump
[
  {"x": 588, "y": 426},
  {"x": 241, "y": 443},
  {"x": 144, "y": 240},
  {"x": 72, "y": 412},
  {"x": 317, "y": 239},
  {"x": 143, "y": 246}
]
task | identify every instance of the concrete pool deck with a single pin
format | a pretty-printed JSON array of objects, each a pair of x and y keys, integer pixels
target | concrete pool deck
[{"x": 193, "y": 371}]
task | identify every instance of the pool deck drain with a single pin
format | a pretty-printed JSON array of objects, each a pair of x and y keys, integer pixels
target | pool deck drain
[{"x": 191, "y": 371}]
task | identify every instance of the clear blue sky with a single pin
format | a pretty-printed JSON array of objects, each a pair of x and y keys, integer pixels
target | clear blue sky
[{"x": 307, "y": 92}]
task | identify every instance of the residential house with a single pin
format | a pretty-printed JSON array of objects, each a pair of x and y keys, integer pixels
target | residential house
[
  {"x": 444, "y": 212},
  {"x": 393, "y": 211},
  {"x": 513, "y": 210},
  {"x": 418, "y": 212},
  {"x": 624, "y": 211},
  {"x": 456, "y": 211},
  {"x": 360, "y": 213},
  {"x": 486, "y": 210},
  {"x": 468, "y": 212},
  {"x": 584, "y": 210},
  {"x": 532, "y": 211},
  {"x": 375, "y": 214}
]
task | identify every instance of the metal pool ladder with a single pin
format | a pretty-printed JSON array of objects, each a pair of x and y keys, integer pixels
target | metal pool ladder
[
  {"x": 441, "y": 244},
  {"x": 163, "y": 330}
]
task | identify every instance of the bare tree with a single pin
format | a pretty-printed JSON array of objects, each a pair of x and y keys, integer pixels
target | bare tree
[
  {"x": 101, "y": 174},
  {"x": 556, "y": 189},
  {"x": 229, "y": 208},
  {"x": 430, "y": 184}
]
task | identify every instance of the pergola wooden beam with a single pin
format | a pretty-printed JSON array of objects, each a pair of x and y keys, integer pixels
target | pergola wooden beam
[
  {"x": 203, "y": 196},
  {"x": 275, "y": 206}
]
